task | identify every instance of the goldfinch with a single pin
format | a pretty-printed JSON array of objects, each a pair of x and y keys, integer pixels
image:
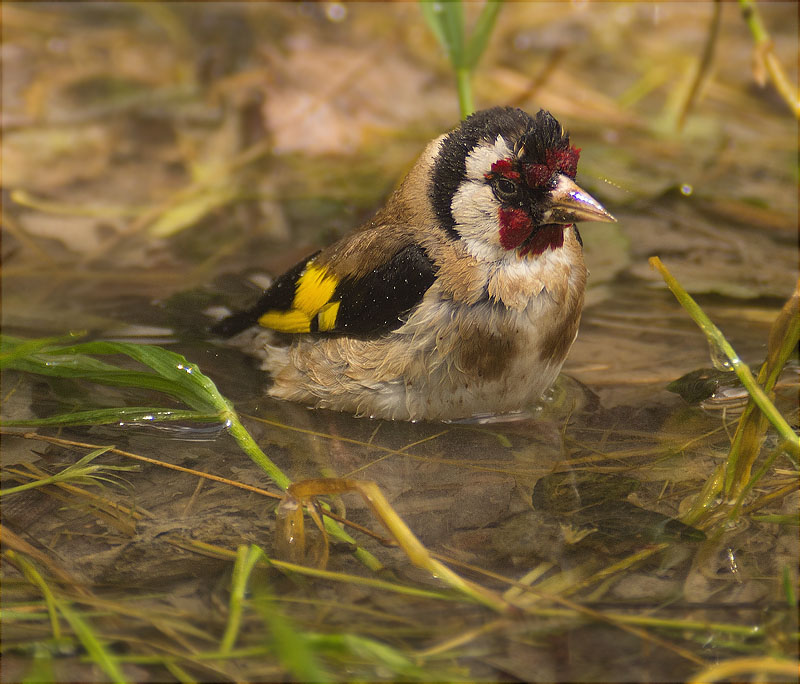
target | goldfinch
[{"x": 460, "y": 297}]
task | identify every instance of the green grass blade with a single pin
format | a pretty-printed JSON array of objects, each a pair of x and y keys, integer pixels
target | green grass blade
[
  {"x": 247, "y": 444},
  {"x": 292, "y": 647},
  {"x": 752, "y": 427},
  {"x": 480, "y": 34},
  {"x": 80, "y": 470},
  {"x": 111, "y": 376},
  {"x": 107, "y": 416},
  {"x": 35, "y": 578},
  {"x": 246, "y": 559},
  {"x": 716, "y": 338},
  {"x": 173, "y": 374},
  {"x": 40, "y": 669},
  {"x": 52, "y": 362},
  {"x": 83, "y": 630},
  {"x": 432, "y": 18},
  {"x": 376, "y": 653},
  {"x": 12, "y": 348},
  {"x": 93, "y": 645},
  {"x": 189, "y": 384},
  {"x": 446, "y": 20},
  {"x": 171, "y": 365},
  {"x": 453, "y": 15},
  {"x": 764, "y": 49},
  {"x": 464, "y": 88}
]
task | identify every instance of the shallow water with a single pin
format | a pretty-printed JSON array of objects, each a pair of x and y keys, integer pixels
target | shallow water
[{"x": 107, "y": 126}]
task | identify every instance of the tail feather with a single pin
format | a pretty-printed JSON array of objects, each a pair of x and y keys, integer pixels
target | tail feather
[{"x": 235, "y": 323}]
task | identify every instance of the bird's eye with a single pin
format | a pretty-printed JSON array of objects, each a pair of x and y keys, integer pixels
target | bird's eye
[{"x": 505, "y": 189}]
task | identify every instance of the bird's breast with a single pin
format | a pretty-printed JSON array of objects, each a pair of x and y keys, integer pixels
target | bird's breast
[{"x": 500, "y": 352}]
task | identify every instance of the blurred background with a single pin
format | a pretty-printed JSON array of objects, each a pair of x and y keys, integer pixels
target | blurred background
[{"x": 150, "y": 147}]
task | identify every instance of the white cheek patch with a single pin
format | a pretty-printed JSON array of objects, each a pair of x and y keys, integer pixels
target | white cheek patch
[
  {"x": 474, "y": 206},
  {"x": 475, "y": 212}
]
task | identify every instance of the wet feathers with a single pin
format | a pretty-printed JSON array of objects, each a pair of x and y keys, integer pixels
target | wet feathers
[{"x": 461, "y": 296}]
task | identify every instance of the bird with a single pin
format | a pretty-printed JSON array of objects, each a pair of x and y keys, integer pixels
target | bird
[{"x": 459, "y": 298}]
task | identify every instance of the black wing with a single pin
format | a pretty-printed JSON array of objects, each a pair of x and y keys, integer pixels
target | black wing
[
  {"x": 377, "y": 302},
  {"x": 368, "y": 306}
]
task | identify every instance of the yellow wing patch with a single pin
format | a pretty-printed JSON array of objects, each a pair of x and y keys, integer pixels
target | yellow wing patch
[
  {"x": 292, "y": 321},
  {"x": 326, "y": 319},
  {"x": 313, "y": 291}
]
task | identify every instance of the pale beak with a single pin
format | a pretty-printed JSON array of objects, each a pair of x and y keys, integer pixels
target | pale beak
[{"x": 569, "y": 204}]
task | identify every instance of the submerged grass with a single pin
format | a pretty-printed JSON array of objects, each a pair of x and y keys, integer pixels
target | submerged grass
[
  {"x": 80, "y": 472},
  {"x": 81, "y": 627},
  {"x": 789, "y": 325},
  {"x": 749, "y": 437},
  {"x": 169, "y": 373},
  {"x": 303, "y": 652},
  {"x": 293, "y": 646},
  {"x": 767, "y": 64},
  {"x": 300, "y": 652}
]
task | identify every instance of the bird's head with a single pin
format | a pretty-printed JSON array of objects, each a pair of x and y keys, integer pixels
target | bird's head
[{"x": 504, "y": 182}]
